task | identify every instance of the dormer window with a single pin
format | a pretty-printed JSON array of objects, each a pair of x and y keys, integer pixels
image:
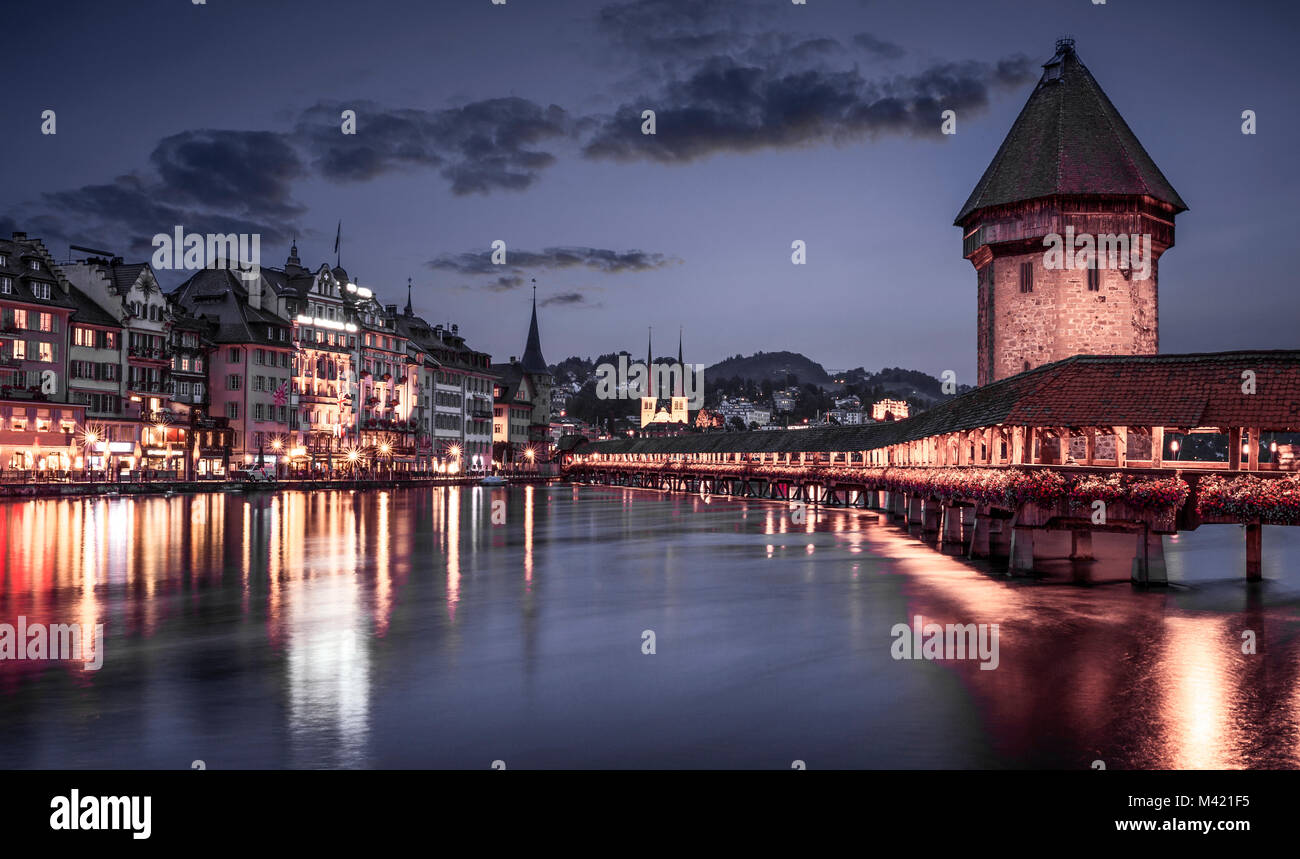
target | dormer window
[
  {"x": 41, "y": 290},
  {"x": 34, "y": 265}
]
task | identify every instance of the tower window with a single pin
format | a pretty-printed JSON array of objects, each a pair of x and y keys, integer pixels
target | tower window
[
  {"x": 1026, "y": 277},
  {"x": 1094, "y": 279}
]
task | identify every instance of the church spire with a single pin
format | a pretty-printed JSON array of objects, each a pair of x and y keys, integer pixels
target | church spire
[
  {"x": 533, "y": 361},
  {"x": 409, "y": 310},
  {"x": 679, "y": 378}
]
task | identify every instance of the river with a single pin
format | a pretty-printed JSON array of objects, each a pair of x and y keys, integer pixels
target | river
[{"x": 471, "y": 627}]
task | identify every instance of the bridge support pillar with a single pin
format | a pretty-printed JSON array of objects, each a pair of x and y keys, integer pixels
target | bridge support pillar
[
  {"x": 952, "y": 519},
  {"x": 1022, "y": 550},
  {"x": 1254, "y": 553},
  {"x": 899, "y": 504},
  {"x": 1149, "y": 560},
  {"x": 979, "y": 535},
  {"x": 1081, "y": 546},
  {"x": 933, "y": 513},
  {"x": 999, "y": 537},
  {"x": 914, "y": 510}
]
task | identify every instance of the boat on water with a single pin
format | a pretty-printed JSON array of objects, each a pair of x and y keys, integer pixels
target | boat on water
[{"x": 492, "y": 480}]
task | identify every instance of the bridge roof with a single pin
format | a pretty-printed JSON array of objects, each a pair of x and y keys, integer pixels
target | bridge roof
[{"x": 1085, "y": 390}]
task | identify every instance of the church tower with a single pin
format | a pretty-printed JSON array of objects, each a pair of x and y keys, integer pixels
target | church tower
[
  {"x": 680, "y": 404},
  {"x": 534, "y": 365},
  {"x": 1070, "y": 176},
  {"x": 650, "y": 397}
]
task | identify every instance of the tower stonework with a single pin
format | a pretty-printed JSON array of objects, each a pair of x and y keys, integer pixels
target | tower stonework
[{"x": 1069, "y": 167}]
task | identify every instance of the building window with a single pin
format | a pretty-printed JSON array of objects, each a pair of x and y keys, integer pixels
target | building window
[
  {"x": 41, "y": 290},
  {"x": 233, "y": 383},
  {"x": 257, "y": 411},
  {"x": 1094, "y": 279},
  {"x": 1026, "y": 277},
  {"x": 232, "y": 411},
  {"x": 34, "y": 265},
  {"x": 235, "y": 357},
  {"x": 6, "y": 285}
]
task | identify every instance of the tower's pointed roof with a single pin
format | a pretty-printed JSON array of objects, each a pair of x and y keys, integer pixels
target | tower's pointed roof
[
  {"x": 533, "y": 362},
  {"x": 1069, "y": 139}
]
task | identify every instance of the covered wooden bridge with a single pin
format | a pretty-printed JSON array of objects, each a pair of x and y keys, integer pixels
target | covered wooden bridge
[{"x": 1089, "y": 443}]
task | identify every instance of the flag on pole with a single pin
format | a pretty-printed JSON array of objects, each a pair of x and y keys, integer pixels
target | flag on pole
[
  {"x": 281, "y": 395},
  {"x": 338, "y": 235}
]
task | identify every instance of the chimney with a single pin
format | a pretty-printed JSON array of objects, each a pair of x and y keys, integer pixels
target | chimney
[
  {"x": 513, "y": 360},
  {"x": 18, "y": 235},
  {"x": 455, "y": 329},
  {"x": 390, "y": 309},
  {"x": 254, "y": 292}
]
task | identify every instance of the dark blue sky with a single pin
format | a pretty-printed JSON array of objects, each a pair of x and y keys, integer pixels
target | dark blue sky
[{"x": 776, "y": 122}]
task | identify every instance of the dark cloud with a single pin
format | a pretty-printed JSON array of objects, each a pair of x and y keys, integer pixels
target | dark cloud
[
  {"x": 203, "y": 180},
  {"x": 726, "y": 106},
  {"x": 548, "y": 259},
  {"x": 881, "y": 48},
  {"x": 479, "y": 147},
  {"x": 251, "y": 172},
  {"x": 567, "y": 299}
]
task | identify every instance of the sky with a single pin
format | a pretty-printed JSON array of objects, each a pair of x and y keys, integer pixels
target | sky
[{"x": 521, "y": 122}]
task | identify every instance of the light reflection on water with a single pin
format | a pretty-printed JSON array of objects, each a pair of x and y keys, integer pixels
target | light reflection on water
[{"x": 404, "y": 628}]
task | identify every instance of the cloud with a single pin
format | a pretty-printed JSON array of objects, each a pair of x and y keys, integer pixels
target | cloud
[
  {"x": 479, "y": 147},
  {"x": 203, "y": 180},
  {"x": 518, "y": 263},
  {"x": 724, "y": 105},
  {"x": 881, "y": 48},
  {"x": 567, "y": 299}
]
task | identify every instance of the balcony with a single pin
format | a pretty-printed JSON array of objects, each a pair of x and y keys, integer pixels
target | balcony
[{"x": 8, "y": 392}]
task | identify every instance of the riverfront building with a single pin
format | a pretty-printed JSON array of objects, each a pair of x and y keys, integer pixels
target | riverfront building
[
  {"x": 251, "y": 361},
  {"x": 37, "y": 423}
]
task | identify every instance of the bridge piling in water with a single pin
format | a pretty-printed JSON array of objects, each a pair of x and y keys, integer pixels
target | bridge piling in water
[
  {"x": 1254, "y": 552},
  {"x": 1022, "y": 550},
  {"x": 1149, "y": 559}
]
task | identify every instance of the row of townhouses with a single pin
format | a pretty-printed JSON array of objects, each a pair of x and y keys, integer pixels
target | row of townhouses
[{"x": 303, "y": 370}]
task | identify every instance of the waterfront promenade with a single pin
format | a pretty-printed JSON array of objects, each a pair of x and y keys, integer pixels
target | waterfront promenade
[{"x": 28, "y": 486}]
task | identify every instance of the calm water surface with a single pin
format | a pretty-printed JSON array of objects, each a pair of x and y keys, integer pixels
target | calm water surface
[{"x": 404, "y": 629}]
